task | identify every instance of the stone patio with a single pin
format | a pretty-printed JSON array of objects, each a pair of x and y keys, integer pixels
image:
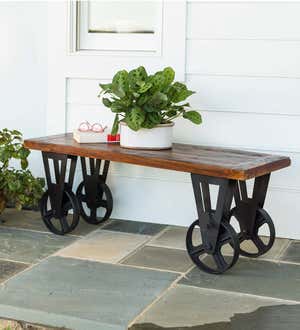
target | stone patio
[{"x": 134, "y": 275}]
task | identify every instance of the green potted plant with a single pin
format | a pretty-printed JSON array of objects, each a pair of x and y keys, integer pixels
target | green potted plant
[
  {"x": 18, "y": 187},
  {"x": 146, "y": 105}
]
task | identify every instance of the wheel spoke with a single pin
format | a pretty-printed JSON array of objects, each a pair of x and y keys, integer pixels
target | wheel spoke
[
  {"x": 220, "y": 261},
  {"x": 224, "y": 239},
  {"x": 93, "y": 213},
  {"x": 67, "y": 207},
  {"x": 48, "y": 215},
  {"x": 64, "y": 224},
  {"x": 258, "y": 243},
  {"x": 197, "y": 250},
  {"x": 83, "y": 198},
  {"x": 103, "y": 203}
]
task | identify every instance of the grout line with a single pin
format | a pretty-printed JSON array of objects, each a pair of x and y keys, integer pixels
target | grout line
[
  {"x": 139, "y": 248},
  {"x": 153, "y": 269},
  {"x": 238, "y": 293},
  {"x": 16, "y": 261},
  {"x": 34, "y": 264},
  {"x": 282, "y": 252},
  {"x": 41, "y": 232},
  {"x": 120, "y": 265},
  {"x": 166, "y": 247},
  {"x": 163, "y": 293},
  {"x": 158, "y": 235}
]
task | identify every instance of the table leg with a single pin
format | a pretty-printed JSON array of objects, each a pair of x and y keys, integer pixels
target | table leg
[
  {"x": 57, "y": 202},
  {"x": 211, "y": 232},
  {"x": 252, "y": 217},
  {"x": 93, "y": 194}
]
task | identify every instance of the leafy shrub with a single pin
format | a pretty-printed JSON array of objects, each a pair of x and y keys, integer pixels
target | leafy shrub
[
  {"x": 17, "y": 186},
  {"x": 145, "y": 101}
]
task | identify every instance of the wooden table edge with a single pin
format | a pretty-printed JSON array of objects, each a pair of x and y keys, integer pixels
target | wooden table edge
[{"x": 212, "y": 170}]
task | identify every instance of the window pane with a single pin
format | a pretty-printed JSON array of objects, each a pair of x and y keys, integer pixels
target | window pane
[{"x": 123, "y": 16}]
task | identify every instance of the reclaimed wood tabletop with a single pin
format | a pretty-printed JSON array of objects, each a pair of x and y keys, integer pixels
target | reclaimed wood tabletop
[{"x": 212, "y": 161}]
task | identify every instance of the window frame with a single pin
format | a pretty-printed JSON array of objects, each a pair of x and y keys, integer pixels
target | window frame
[{"x": 130, "y": 44}]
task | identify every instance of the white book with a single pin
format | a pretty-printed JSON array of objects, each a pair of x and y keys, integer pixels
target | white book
[{"x": 89, "y": 137}]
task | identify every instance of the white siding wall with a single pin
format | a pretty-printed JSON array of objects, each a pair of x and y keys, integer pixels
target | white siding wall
[
  {"x": 243, "y": 60},
  {"x": 23, "y": 70}
]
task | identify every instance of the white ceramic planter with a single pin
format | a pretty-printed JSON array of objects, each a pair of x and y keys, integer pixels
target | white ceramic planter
[{"x": 157, "y": 138}]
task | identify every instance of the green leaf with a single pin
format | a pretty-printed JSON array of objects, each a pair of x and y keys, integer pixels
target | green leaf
[
  {"x": 135, "y": 118},
  {"x": 178, "y": 92},
  {"x": 115, "y": 126},
  {"x": 136, "y": 77},
  {"x": 120, "y": 106},
  {"x": 116, "y": 108},
  {"x": 143, "y": 99},
  {"x": 148, "y": 123},
  {"x": 158, "y": 102},
  {"x": 193, "y": 116},
  {"x": 144, "y": 87},
  {"x": 154, "y": 117},
  {"x": 15, "y": 132},
  {"x": 107, "y": 102},
  {"x": 23, "y": 153},
  {"x": 24, "y": 164},
  {"x": 171, "y": 113},
  {"x": 158, "y": 82},
  {"x": 105, "y": 87},
  {"x": 169, "y": 75},
  {"x": 120, "y": 83}
]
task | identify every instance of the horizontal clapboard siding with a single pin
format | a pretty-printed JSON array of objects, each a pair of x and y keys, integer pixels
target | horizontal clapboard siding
[
  {"x": 234, "y": 20},
  {"x": 243, "y": 61},
  {"x": 244, "y": 58}
]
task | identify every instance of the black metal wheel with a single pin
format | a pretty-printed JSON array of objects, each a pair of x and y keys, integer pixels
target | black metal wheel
[
  {"x": 262, "y": 246},
  {"x": 213, "y": 262},
  {"x": 64, "y": 223},
  {"x": 88, "y": 208}
]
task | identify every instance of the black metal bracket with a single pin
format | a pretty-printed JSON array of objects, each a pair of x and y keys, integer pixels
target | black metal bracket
[
  {"x": 209, "y": 218},
  {"x": 91, "y": 180},
  {"x": 57, "y": 186},
  {"x": 246, "y": 207}
]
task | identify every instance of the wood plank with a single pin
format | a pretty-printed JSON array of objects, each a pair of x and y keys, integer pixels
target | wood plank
[{"x": 219, "y": 162}]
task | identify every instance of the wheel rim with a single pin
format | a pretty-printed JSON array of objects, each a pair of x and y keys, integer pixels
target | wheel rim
[
  {"x": 262, "y": 218},
  {"x": 220, "y": 262},
  {"x": 66, "y": 223},
  {"x": 104, "y": 201}
]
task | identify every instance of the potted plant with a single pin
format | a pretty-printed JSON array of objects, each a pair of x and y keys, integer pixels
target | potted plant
[
  {"x": 18, "y": 187},
  {"x": 145, "y": 107}
]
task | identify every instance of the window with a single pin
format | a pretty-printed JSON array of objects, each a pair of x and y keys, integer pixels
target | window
[{"x": 128, "y": 26}]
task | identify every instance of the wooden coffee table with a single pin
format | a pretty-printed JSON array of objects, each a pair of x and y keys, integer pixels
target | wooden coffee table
[{"x": 208, "y": 235}]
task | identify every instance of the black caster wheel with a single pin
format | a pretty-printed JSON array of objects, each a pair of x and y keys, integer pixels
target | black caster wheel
[
  {"x": 64, "y": 224},
  {"x": 217, "y": 262},
  {"x": 262, "y": 246},
  {"x": 88, "y": 210}
]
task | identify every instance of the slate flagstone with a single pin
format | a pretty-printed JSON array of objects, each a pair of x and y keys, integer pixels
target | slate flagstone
[
  {"x": 29, "y": 246},
  {"x": 256, "y": 277},
  {"x": 32, "y": 220},
  {"x": 134, "y": 227},
  {"x": 81, "y": 294},
  {"x": 9, "y": 268},
  {"x": 185, "y": 306},
  {"x": 292, "y": 253},
  {"x": 105, "y": 246},
  {"x": 160, "y": 258}
]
